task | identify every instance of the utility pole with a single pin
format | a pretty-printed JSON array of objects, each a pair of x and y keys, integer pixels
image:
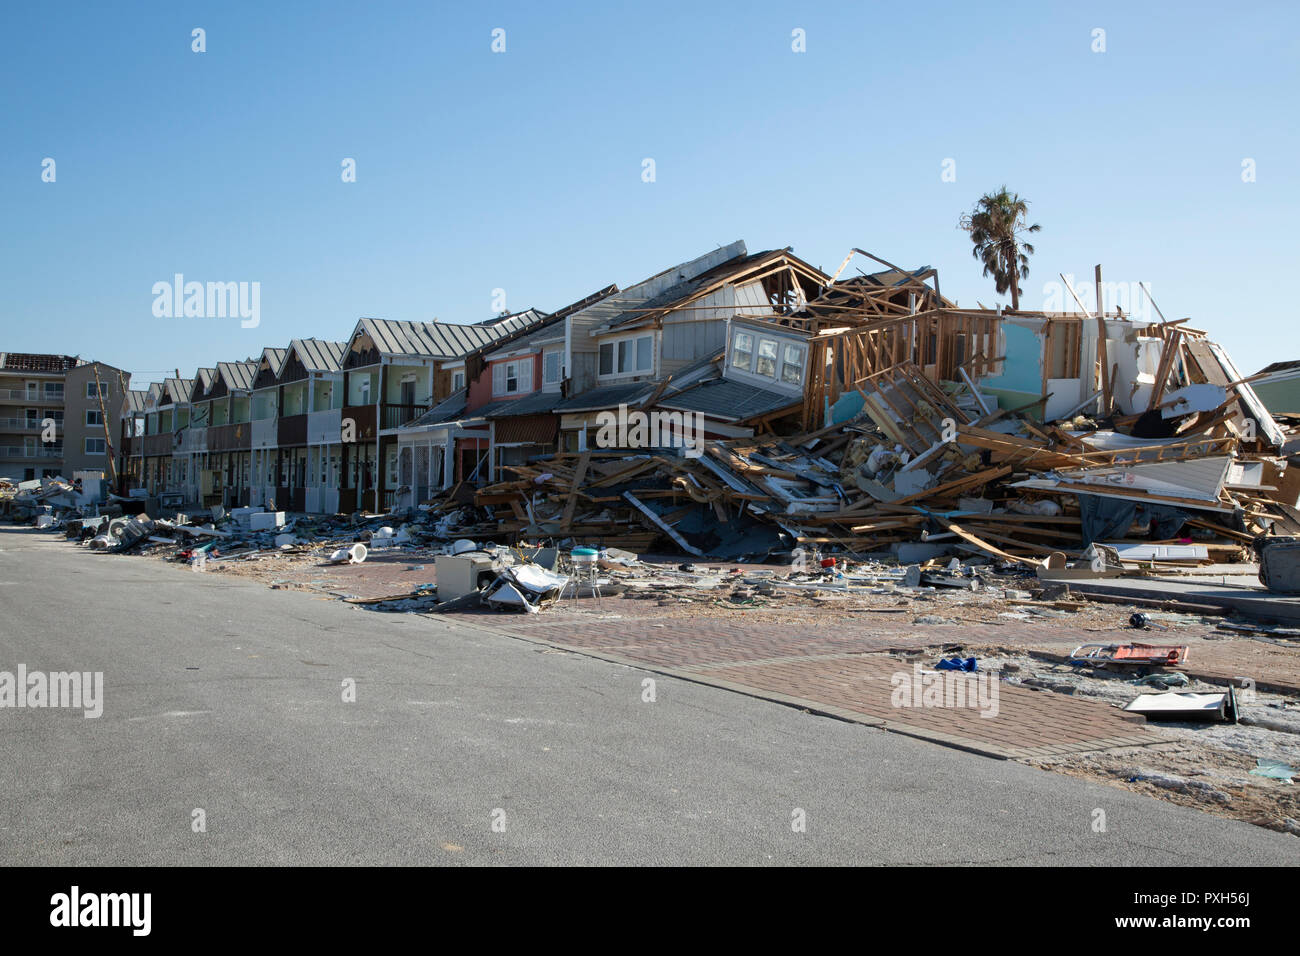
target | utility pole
[{"x": 103, "y": 420}]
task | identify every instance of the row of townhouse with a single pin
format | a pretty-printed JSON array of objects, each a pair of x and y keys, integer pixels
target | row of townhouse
[
  {"x": 400, "y": 410},
  {"x": 704, "y": 338},
  {"x": 729, "y": 344},
  {"x": 300, "y": 427}
]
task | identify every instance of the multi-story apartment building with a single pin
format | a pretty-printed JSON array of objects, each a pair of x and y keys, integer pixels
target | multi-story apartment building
[{"x": 93, "y": 398}]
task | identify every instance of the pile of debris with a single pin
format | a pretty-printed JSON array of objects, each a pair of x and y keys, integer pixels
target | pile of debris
[{"x": 927, "y": 471}]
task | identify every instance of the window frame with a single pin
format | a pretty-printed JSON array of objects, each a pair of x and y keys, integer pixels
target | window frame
[{"x": 625, "y": 356}]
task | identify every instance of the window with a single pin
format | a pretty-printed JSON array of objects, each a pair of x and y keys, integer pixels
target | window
[
  {"x": 742, "y": 351},
  {"x": 551, "y": 368},
  {"x": 766, "y": 358},
  {"x": 630, "y": 356},
  {"x": 457, "y": 381},
  {"x": 93, "y": 417},
  {"x": 792, "y": 365},
  {"x": 512, "y": 378},
  {"x": 95, "y": 446},
  {"x": 91, "y": 391},
  {"x": 54, "y": 390}
]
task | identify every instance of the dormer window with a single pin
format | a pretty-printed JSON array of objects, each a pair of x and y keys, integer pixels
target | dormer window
[{"x": 632, "y": 355}]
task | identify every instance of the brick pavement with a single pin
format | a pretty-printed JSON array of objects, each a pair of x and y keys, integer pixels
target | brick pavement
[{"x": 839, "y": 668}]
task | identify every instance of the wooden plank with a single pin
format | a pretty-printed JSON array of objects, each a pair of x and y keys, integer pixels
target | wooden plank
[{"x": 578, "y": 474}]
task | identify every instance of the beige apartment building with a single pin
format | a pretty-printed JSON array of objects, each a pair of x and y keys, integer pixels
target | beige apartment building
[
  {"x": 33, "y": 388},
  {"x": 50, "y": 416}
]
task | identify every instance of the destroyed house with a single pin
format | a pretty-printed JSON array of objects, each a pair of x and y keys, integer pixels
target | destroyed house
[{"x": 665, "y": 331}]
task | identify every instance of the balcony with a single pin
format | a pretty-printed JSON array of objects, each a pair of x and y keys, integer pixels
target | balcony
[
  {"x": 363, "y": 421},
  {"x": 18, "y": 451},
  {"x": 291, "y": 431},
  {"x": 21, "y": 425},
  {"x": 395, "y": 416}
]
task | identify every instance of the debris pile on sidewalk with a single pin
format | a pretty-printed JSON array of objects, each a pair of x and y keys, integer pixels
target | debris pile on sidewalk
[{"x": 916, "y": 474}]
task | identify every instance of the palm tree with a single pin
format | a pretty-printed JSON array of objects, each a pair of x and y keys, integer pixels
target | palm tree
[{"x": 996, "y": 226}]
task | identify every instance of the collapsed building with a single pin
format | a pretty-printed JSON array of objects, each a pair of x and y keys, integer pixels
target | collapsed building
[{"x": 747, "y": 405}]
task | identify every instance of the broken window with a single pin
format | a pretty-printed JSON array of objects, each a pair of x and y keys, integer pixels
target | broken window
[
  {"x": 742, "y": 351},
  {"x": 766, "y": 358},
  {"x": 792, "y": 365}
]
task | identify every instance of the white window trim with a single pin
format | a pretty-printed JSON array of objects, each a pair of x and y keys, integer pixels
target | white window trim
[
  {"x": 558, "y": 356},
  {"x": 523, "y": 376},
  {"x": 89, "y": 423},
  {"x": 633, "y": 337},
  {"x": 95, "y": 451},
  {"x": 750, "y": 373}
]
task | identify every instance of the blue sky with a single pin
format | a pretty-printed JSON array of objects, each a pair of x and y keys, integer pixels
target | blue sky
[{"x": 522, "y": 170}]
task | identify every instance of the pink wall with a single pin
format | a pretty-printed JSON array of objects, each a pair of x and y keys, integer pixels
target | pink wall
[{"x": 480, "y": 390}]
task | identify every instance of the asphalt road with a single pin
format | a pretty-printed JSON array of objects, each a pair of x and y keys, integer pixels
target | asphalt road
[{"x": 227, "y": 697}]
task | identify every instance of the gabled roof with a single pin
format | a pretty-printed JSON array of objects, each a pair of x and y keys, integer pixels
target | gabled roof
[
  {"x": 203, "y": 378},
  {"x": 444, "y": 340},
  {"x": 552, "y": 327},
  {"x": 317, "y": 355},
  {"x": 133, "y": 401},
  {"x": 238, "y": 376},
  {"x": 178, "y": 391},
  {"x": 687, "y": 290},
  {"x": 274, "y": 358}
]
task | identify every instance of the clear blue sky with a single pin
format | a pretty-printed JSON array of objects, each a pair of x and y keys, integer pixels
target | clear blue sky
[{"x": 522, "y": 170}]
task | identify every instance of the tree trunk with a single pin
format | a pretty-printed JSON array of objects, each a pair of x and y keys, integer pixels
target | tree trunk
[{"x": 1015, "y": 279}]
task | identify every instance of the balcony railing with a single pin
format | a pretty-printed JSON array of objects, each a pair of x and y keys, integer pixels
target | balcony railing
[
  {"x": 18, "y": 451},
  {"x": 20, "y": 424},
  {"x": 395, "y": 416}
]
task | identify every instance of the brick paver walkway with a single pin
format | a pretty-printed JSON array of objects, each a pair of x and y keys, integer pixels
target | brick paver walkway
[{"x": 846, "y": 670}]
